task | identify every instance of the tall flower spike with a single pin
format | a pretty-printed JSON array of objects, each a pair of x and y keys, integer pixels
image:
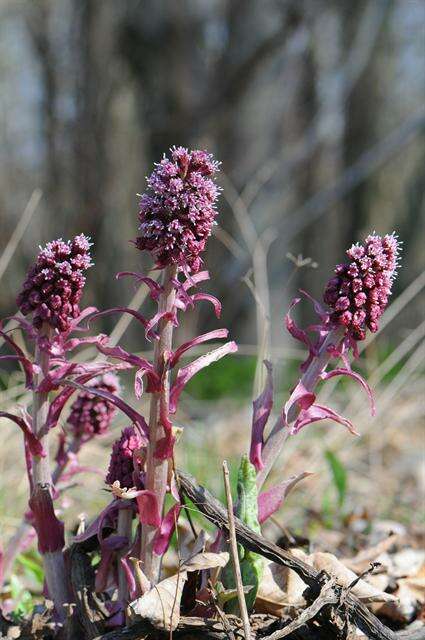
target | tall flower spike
[
  {"x": 54, "y": 285},
  {"x": 177, "y": 212},
  {"x": 121, "y": 464},
  {"x": 90, "y": 415},
  {"x": 359, "y": 292},
  {"x": 357, "y": 296}
]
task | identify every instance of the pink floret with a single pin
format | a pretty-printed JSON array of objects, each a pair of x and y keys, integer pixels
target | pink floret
[
  {"x": 177, "y": 213},
  {"x": 54, "y": 285},
  {"x": 358, "y": 294}
]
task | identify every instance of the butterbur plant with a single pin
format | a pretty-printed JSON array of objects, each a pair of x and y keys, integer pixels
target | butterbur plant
[
  {"x": 176, "y": 217},
  {"x": 356, "y": 297},
  {"x": 50, "y": 303}
]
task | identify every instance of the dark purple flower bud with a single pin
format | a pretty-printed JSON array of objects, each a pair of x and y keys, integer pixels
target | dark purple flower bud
[
  {"x": 121, "y": 465},
  {"x": 90, "y": 415},
  {"x": 359, "y": 295},
  {"x": 177, "y": 212},
  {"x": 53, "y": 287}
]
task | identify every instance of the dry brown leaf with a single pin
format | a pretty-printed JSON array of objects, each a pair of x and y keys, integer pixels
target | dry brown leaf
[
  {"x": 280, "y": 587},
  {"x": 205, "y": 560},
  {"x": 271, "y": 593},
  {"x": 363, "y": 590},
  {"x": 161, "y": 605}
]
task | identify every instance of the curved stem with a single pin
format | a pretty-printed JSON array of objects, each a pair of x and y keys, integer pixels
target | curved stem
[{"x": 280, "y": 433}]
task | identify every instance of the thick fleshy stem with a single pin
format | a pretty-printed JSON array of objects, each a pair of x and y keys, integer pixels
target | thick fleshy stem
[
  {"x": 280, "y": 433},
  {"x": 157, "y": 469},
  {"x": 49, "y": 529},
  {"x": 124, "y": 528},
  {"x": 25, "y": 533}
]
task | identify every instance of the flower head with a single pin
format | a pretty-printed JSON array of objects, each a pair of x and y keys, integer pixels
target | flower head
[
  {"x": 54, "y": 285},
  {"x": 121, "y": 465},
  {"x": 177, "y": 212},
  {"x": 359, "y": 292},
  {"x": 90, "y": 415}
]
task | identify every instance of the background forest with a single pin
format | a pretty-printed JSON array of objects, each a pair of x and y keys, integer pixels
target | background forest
[{"x": 316, "y": 110}]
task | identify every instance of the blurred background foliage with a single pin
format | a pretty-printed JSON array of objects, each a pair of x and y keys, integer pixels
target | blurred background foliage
[
  {"x": 314, "y": 107},
  {"x": 316, "y": 110}
]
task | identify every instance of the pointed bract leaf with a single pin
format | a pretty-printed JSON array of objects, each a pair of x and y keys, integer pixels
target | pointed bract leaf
[
  {"x": 271, "y": 500},
  {"x": 155, "y": 288},
  {"x": 196, "y": 297},
  {"x": 262, "y": 407},
  {"x": 147, "y": 506},
  {"x": 211, "y": 335},
  {"x": 164, "y": 534},
  {"x": 341, "y": 371},
  {"x": 318, "y": 412},
  {"x": 186, "y": 373},
  {"x": 27, "y": 365},
  {"x": 24, "y": 424}
]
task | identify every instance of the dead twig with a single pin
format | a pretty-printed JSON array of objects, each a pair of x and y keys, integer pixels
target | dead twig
[
  {"x": 234, "y": 554},
  {"x": 326, "y": 597},
  {"x": 357, "y": 613}
]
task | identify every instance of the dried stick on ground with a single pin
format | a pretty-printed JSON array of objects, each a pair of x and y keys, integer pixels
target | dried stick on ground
[
  {"x": 234, "y": 553},
  {"x": 357, "y": 613}
]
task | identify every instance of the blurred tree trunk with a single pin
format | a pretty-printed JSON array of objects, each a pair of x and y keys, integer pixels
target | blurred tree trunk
[{"x": 38, "y": 24}]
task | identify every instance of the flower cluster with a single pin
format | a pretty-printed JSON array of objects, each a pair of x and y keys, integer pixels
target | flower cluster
[
  {"x": 90, "y": 415},
  {"x": 54, "y": 285},
  {"x": 121, "y": 465},
  {"x": 358, "y": 294},
  {"x": 177, "y": 212}
]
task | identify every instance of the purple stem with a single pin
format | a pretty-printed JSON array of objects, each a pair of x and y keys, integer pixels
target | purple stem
[
  {"x": 49, "y": 529},
  {"x": 125, "y": 519},
  {"x": 156, "y": 469},
  {"x": 279, "y": 434}
]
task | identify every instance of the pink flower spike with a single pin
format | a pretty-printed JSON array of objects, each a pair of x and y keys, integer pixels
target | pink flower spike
[
  {"x": 211, "y": 335},
  {"x": 147, "y": 506},
  {"x": 134, "y": 415},
  {"x": 54, "y": 284},
  {"x": 271, "y": 500},
  {"x": 358, "y": 294},
  {"x": 318, "y": 412},
  {"x": 186, "y": 373},
  {"x": 356, "y": 376},
  {"x": 262, "y": 407},
  {"x": 91, "y": 416},
  {"x": 177, "y": 212},
  {"x": 164, "y": 534}
]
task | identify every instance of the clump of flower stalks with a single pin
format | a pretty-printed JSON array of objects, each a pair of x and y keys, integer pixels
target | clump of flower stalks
[{"x": 176, "y": 217}]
